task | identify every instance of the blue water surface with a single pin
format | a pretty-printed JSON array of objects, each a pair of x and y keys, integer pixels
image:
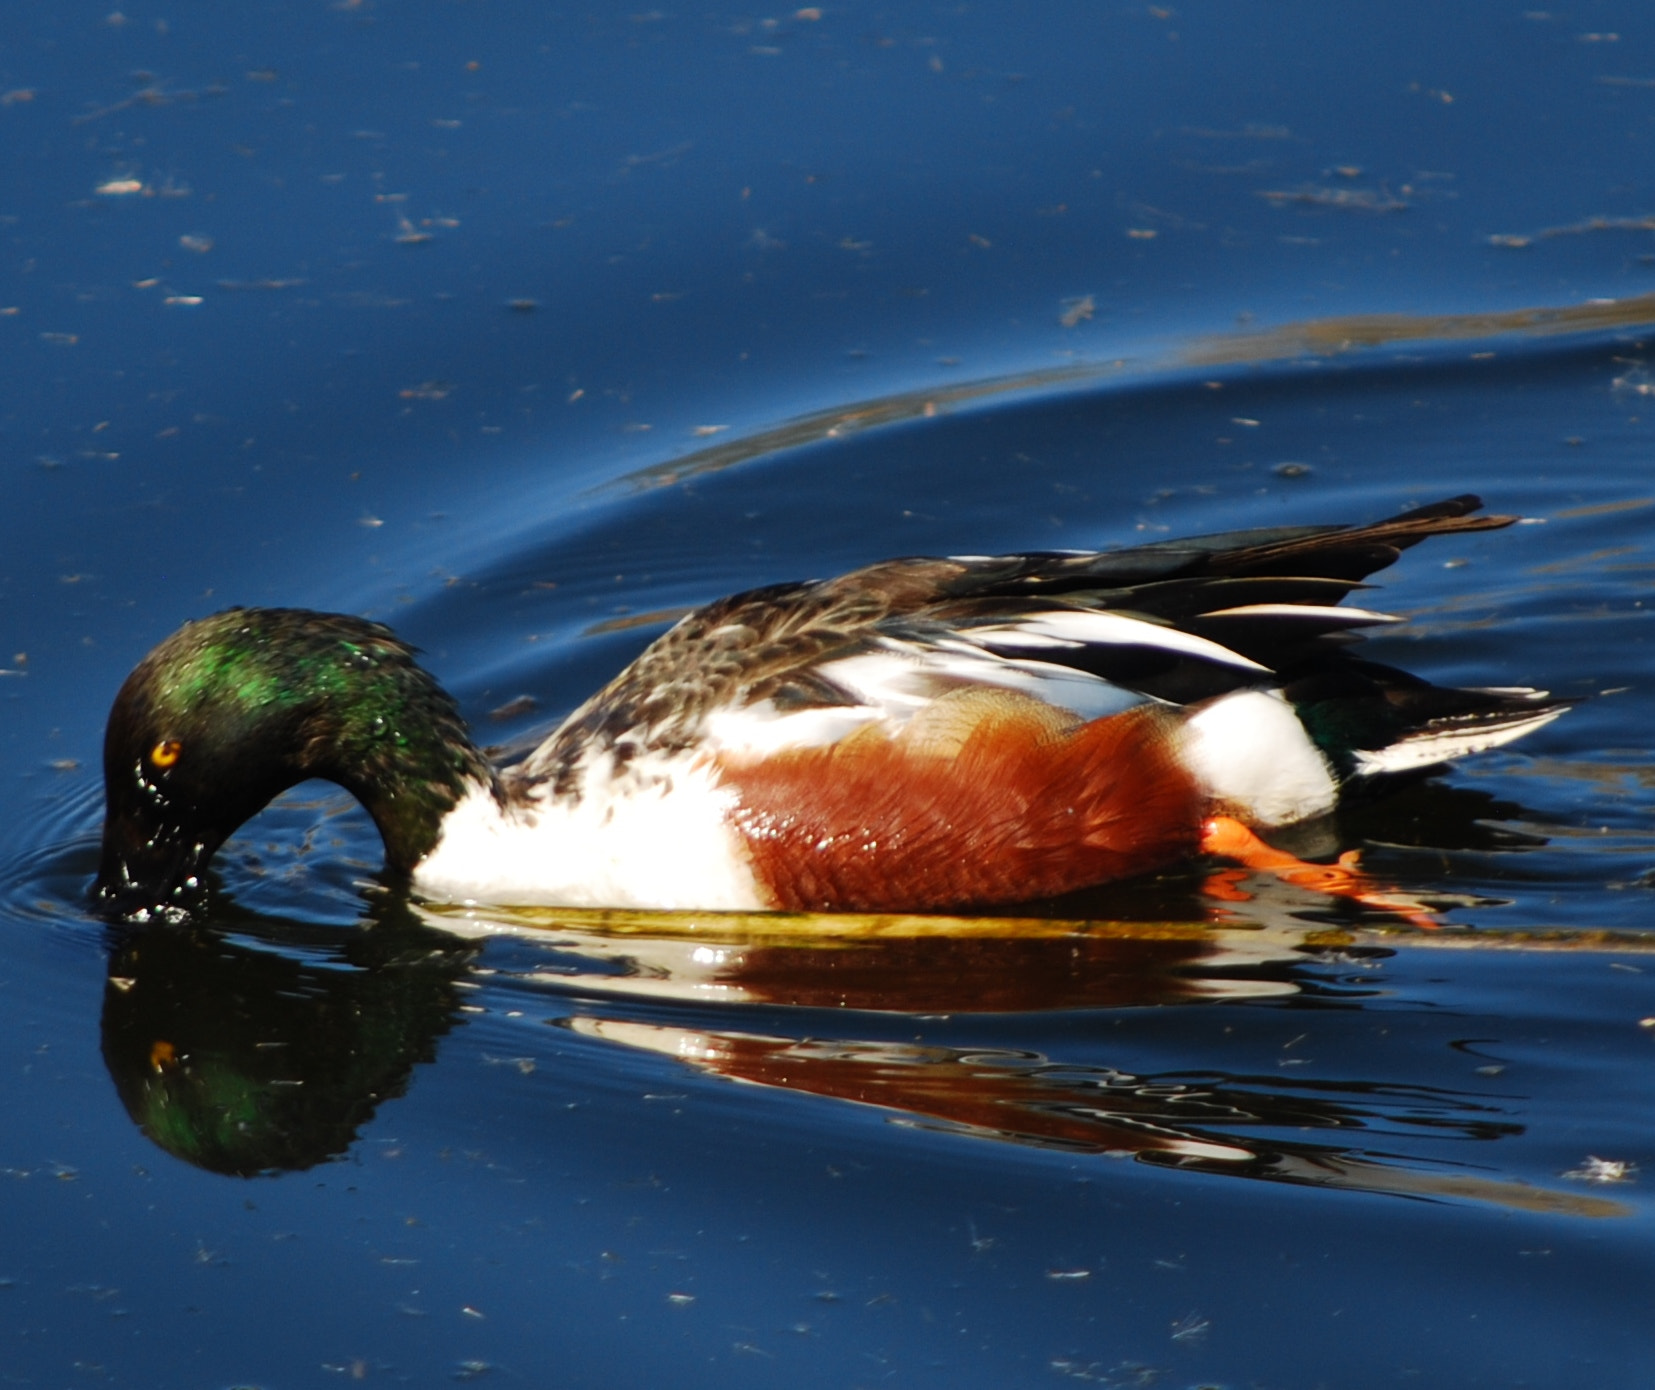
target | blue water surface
[{"x": 524, "y": 328}]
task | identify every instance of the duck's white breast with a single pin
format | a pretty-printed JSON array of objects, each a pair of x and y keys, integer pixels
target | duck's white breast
[{"x": 657, "y": 838}]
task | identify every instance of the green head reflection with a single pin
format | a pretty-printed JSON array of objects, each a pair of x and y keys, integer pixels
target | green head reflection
[{"x": 243, "y": 1059}]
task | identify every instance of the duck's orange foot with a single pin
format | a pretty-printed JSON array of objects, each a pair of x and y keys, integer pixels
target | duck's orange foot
[{"x": 1230, "y": 839}]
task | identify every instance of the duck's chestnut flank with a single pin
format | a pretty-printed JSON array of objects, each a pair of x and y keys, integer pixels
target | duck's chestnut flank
[
  {"x": 919, "y": 734},
  {"x": 987, "y": 796}
]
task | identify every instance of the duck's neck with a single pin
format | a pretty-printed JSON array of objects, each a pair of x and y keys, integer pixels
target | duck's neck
[
  {"x": 391, "y": 736},
  {"x": 342, "y": 699},
  {"x": 408, "y": 760}
]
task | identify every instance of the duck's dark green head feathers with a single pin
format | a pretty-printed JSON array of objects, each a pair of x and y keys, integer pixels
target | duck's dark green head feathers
[{"x": 232, "y": 710}]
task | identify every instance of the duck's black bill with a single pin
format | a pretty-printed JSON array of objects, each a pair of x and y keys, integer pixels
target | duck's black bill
[{"x": 147, "y": 878}]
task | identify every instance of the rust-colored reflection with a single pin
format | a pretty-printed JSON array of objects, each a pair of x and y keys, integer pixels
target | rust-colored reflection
[
  {"x": 1201, "y": 1123},
  {"x": 898, "y": 963}
]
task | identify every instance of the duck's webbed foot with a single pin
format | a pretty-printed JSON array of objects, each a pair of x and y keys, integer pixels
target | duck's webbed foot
[{"x": 1230, "y": 839}]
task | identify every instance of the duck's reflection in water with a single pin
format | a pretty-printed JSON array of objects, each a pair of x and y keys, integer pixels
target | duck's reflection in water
[
  {"x": 252, "y": 1053},
  {"x": 242, "y": 1056},
  {"x": 1203, "y": 1124}
]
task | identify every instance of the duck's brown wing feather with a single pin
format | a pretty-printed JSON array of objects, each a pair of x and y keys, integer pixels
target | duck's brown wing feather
[{"x": 771, "y": 644}]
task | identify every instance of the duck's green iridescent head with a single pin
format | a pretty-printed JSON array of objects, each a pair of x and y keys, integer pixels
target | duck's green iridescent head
[{"x": 232, "y": 710}]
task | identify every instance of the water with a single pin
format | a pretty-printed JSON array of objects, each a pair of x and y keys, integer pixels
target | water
[{"x": 520, "y": 330}]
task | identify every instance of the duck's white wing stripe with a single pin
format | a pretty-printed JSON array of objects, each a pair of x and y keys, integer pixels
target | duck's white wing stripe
[
  {"x": 1346, "y": 617},
  {"x": 1074, "y": 628}
]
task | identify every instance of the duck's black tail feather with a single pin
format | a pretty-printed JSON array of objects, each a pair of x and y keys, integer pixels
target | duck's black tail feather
[
  {"x": 1329, "y": 556},
  {"x": 1374, "y": 720},
  {"x": 1354, "y": 552}
]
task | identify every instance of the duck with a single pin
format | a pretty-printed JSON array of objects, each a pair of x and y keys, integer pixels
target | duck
[{"x": 918, "y": 735}]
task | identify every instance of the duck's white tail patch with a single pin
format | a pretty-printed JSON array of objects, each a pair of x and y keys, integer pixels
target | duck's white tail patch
[
  {"x": 1448, "y": 740},
  {"x": 1255, "y": 759}
]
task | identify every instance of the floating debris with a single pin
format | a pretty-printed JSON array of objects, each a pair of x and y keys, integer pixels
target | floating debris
[
  {"x": 1603, "y": 1170},
  {"x": 1077, "y": 311},
  {"x": 1341, "y": 199},
  {"x": 260, "y": 284},
  {"x": 1646, "y": 223},
  {"x": 1636, "y": 381},
  {"x": 426, "y": 391},
  {"x": 628, "y": 621},
  {"x": 1192, "y": 1327},
  {"x": 1251, "y": 131}
]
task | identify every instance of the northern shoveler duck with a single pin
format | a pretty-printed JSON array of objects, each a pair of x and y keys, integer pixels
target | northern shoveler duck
[{"x": 919, "y": 734}]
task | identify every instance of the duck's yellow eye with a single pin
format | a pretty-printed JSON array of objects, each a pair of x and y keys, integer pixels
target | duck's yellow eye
[{"x": 166, "y": 752}]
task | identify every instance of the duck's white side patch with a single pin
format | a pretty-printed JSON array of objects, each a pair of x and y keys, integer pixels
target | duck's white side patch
[
  {"x": 657, "y": 838},
  {"x": 763, "y": 730},
  {"x": 898, "y": 681},
  {"x": 894, "y": 684},
  {"x": 1254, "y": 757}
]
